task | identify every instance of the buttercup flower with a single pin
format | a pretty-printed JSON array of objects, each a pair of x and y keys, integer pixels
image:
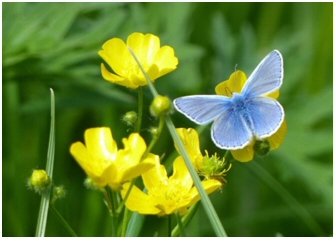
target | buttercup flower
[
  {"x": 235, "y": 83},
  {"x": 156, "y": 61},
  {"x": 166, "y": 195},
  {"x": 105, "y": 164},
  {"x": 209, "y": 167}
]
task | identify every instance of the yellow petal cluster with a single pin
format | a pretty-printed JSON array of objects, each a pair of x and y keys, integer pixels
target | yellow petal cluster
[
  {"x": 235, "y": 83},
  {"x": 166, "y": 195},
  {"x": 209, "y": 167},
  {"x": 103, "y": 162},
  {"x": 156, "y": 60}
]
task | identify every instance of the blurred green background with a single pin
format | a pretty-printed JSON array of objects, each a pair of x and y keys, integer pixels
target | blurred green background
[{"x": 55, "y": 45}]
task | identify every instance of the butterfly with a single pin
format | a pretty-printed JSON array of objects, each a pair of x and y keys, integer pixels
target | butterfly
[{"x": 246, "y": 116}]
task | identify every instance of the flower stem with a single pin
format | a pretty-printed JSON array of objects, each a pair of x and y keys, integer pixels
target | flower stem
[
  {"x": 180, "y": 225},
  {"x": 125, "y": 222},
  {"x": 185, "y": 219},
  {"x": 44, "y": 206},
  {"x": 63, "y": 221},
  {"x": 169, "y": 221},
  {"x": 140, "y": 110},
  {"x": 155, "y": 137}
]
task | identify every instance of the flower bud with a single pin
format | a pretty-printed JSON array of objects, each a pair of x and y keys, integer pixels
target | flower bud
[
  {"x": 59, "y": 192},
  {"x": 130, "y": 118},
  {"x": 160, "y": 105},
  {"x": 89, "y": 183},
  {"x": 39, "y": 180},
  {"x": 262, "y": 147},
  {"x": 154, "y": 131}
]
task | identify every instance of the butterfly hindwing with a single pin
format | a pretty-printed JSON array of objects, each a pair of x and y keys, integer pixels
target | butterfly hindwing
[
  {"x": 230, "y": 131},
  {"x": 202, "y": 109},
  {"x": 266, "y": 115},
  {"x": 267, "y": 77}
]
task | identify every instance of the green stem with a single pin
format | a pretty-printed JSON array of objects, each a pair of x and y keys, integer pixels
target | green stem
[
  {"x": 125, "y": 222},
  {"x": 186, "y": 219},
  {"x": 63, "y": 221},
  {"x": 115, "y": 217},
  {"x": 45, "y": 200},
  {"x": 169, "y": 226},
  {"x": 140, "y": 110},
  {"x": 181, "y": 225},
  {"x": 155, "y": 137}
]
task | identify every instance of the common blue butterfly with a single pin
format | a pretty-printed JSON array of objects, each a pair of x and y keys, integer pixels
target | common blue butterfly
[{"x": 245, "y": 116}]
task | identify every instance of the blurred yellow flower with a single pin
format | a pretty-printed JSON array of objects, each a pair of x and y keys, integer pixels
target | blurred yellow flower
[
  {"x": 235, "y": 83},
  {"x": 209, "y": 167},
  {"x": 105, "y": 164},
  {"x": 166, "y": 195},
  {"x": 156, "y": 61}
]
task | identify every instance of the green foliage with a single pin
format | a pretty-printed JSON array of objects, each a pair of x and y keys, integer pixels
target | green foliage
[{"x": 55, "y": 45}]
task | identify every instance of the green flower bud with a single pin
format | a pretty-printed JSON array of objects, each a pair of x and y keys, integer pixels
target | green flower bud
[
  {"x": 130, "y": 118},
  {"x": 89, "y": 183},
  {"x": 262, "y": 147},
  {"x": 59, "y": 192},
  {"x": 160, "y": 105},
  {"x": 39, "y": 180},
  {"x": 154, "y": 131}
]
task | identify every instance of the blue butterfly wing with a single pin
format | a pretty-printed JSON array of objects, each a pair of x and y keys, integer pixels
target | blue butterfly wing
[
  {"x": 202, "y": 109},
  {"x": 267, "y": 77},
  {"x": 230, "y": 131},
  {"x": 266, "y": 115}
]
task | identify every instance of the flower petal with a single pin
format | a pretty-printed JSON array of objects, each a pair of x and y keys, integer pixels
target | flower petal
[
  {"x": 277, "y": 138},
  {"x": 181, "y": 174},
  {"x": 155, "y": 176},
  {"x": 274, "y": 95},
  {"x": 235, "y": 83},
  {"x": 209, "y": 185},
  {"x": 145, "y": 47},
  {"x": 134, "y": 147},
  {"x": 138, "y": 169},
  {"x": 99, "y": 169},
  {"x": 100, "y": 143},
  {"x": 165, "y": 60},
  {"x": 244, "y": 155},
  {"x": 190, "y": 139},
  {"x": 117, "y": 55},
  {"x": 138, "y": 201},
  {"x": 116, "y": 79}
]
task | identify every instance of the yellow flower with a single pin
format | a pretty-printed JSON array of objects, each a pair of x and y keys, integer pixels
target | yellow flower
[
  {"x": 235, "y": 83},
  {"x": 166, "y": 195},
  {"x": 156, "y": 61},
  {"x": 209, "y": 167},
  {"x": 105, "y": 164}
]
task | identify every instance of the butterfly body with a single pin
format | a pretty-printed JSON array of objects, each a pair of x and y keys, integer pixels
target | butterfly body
[{"x": 246, "y": 115}]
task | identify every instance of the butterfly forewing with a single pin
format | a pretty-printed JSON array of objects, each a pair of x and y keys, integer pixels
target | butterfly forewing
[
  {"x": 202, "y": 109},
  {"x": 267, "y": 77}
]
